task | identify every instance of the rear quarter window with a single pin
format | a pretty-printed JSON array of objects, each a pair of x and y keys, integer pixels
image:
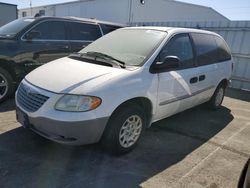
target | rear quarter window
[
  {"x": 83, "y": 31},
  {"x": 223, "y": 50}
]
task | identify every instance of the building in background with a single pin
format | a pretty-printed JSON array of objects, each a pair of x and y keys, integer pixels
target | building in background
[
  {"x": 128, "y": 11},
  {"x": 8, "y": 13}
]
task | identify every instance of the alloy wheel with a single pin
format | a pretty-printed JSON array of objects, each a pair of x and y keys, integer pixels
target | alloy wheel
[
  {"x": 130, "y": 131},
  {"x": 3, "y": 86}
]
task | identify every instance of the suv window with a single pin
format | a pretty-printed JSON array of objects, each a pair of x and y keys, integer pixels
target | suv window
[
  {"x": 206, "y": 48},
  {"x": 181, "y": 47},
  {"x": 83, "y": 31},
  {"x": 50, "y": 30},
  {"x": 108, "y": 28},
  {"x": 223, "y": 50},
  {"x": 12, "y": 28}
]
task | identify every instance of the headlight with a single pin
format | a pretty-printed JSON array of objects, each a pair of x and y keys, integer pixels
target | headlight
[{"x": 77, "y": 103}]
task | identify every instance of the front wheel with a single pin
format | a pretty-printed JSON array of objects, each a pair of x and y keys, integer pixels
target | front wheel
[
  {"x": 217, "y": 99},
  {"x": 124, "y": 129},
  {"x": 6, "y": 85}
]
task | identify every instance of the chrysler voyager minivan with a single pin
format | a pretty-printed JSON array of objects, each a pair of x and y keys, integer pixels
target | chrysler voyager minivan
[{"x": 116, "y": 87}]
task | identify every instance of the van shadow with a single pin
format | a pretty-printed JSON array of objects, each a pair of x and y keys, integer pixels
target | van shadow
[{"x": 30, "y": 161}]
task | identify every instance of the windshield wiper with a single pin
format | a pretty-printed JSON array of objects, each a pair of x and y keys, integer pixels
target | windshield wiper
[
  {"x": 83, "y": 56},
  {"x": 105, "y": 56}
]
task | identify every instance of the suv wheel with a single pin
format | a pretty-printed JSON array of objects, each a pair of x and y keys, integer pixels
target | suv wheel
[
  {"x": 124, "y": 129},
  {"x": 217, "y": 99},
  {"x": 6, "y": 85}
]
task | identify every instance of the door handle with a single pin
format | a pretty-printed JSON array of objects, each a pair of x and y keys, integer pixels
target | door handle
[
  {"x": 202, "y": 77},
  {"x": 193, "y": 80}
]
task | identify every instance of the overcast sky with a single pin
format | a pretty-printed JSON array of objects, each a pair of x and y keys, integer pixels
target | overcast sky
[{"x": 233, "y": 9}]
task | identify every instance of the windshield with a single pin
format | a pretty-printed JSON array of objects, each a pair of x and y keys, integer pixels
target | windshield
[
  {"x": 131, "y": 46},
  {"x": 12, "y": 28}
]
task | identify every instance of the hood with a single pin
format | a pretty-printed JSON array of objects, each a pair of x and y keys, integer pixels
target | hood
[{"x": 65, "y": 75}]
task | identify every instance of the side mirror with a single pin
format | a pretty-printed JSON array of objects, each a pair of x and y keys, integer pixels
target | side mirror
[
  {"x": 169, "y": 62},
  {"x": 33, "y": 34}
]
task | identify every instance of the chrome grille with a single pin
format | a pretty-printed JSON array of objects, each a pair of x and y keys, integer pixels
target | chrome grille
[{"x": 30, "y": 100}]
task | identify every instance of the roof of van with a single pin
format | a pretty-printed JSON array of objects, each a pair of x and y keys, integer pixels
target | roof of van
[{"x": 173, "y": 29}]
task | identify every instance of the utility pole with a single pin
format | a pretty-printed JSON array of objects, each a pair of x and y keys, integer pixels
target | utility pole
[
  {"x": 30, "y": 7},
  {"x": 130, "y": 11}
]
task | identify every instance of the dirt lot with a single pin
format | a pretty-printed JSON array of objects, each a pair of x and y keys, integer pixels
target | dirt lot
[{"x": 196, "y": 148}]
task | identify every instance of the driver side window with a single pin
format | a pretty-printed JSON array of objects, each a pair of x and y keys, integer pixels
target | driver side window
[
  {"x": 50, "y": 30},
  {"x": 181, "y": 47}
]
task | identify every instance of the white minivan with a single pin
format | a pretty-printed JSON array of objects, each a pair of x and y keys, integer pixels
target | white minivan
[{"x": 116, "y": 87}]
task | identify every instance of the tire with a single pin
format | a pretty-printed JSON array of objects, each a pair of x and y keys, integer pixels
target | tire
[
  {"x": 120, "y": 136},
  {"x": 244, "y": 180},
  {"x": 217, "y": 98},
  {"x": 6, "y": 85}
]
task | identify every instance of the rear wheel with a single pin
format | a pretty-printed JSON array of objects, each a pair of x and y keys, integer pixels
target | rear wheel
[
  {"x": 124, "y": 129},
  {"x": 6, "y": 85},
  {"x": 217, "y": 99}
]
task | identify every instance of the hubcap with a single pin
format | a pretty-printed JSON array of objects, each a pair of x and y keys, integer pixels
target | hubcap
[
  {"x": 219, "y": 97},
  {"x": 130, "y": 131},
  {"x": 3, "y": 86}
]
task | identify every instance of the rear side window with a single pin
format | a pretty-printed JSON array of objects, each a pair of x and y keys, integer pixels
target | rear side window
[
  {"x": 181, "y": 47},
  {"x": 108, "y": 28},
  {"x": 50, "y": 30},
  {"x": 83, "y": 31},
  {"x": 223, "y": 50},
  {"x": 206, "y": 48}
]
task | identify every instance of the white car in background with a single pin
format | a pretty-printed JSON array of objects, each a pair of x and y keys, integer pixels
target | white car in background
[{"x": 120, "y": 84}]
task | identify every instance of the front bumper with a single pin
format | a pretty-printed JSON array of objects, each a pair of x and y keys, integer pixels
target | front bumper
[{"x": 70, "y": 133}]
